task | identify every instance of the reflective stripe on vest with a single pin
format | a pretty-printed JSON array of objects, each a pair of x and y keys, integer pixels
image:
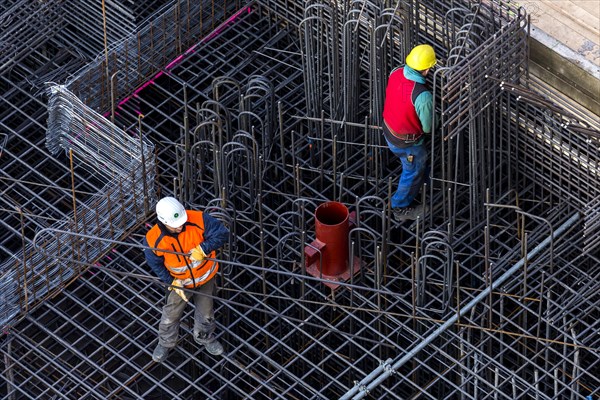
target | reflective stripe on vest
[
  {"x": 184, "y": 268},
  {"x": 181, "y": 266},
  {"x": 202, "y": 279}
]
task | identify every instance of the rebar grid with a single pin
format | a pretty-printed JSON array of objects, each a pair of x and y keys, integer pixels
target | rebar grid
[
  {"x": 26, "y": 24},
  {"x": 162, "y": 42},
  {"x": 46, "y": 48},
  {"x": 36, "y": 185},
  {"x": 259, "y": 164},
  {"x": 121, "y": 166}
]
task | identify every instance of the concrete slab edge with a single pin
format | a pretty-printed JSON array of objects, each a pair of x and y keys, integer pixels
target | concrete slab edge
[{"x": 565, "y": 52}]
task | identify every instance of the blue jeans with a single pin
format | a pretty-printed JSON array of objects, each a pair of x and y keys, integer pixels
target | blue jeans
[{"x": 413, "y": 173}]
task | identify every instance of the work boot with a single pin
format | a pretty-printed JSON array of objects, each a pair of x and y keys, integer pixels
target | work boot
[
  {"x": 212, "y": 345},
  {"x": 160, "y": 353},
  {"x": 409, "y": 213}
]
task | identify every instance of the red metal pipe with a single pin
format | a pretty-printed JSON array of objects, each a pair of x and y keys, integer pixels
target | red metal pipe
[{"x": 332, "y": 227}]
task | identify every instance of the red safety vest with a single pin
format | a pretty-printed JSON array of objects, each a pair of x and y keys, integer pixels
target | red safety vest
[
  {"x": 399, "y": 111},
  {"x": 182, "y": 267}
]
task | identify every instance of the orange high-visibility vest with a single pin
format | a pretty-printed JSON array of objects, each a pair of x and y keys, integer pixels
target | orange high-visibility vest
[{"x": 192, "y": 273}]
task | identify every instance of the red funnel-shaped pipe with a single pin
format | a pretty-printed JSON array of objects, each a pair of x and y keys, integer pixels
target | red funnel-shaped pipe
[{"x": 332, "y": 227}]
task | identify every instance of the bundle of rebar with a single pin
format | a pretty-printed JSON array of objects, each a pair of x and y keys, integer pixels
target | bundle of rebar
[{"x": 122, "y": 164}]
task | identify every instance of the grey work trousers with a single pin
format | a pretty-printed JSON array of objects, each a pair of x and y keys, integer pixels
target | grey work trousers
[{"x": 204, "y": 319}]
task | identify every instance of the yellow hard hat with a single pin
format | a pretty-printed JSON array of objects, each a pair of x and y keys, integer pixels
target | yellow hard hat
[{"x": 421, "y": 57}]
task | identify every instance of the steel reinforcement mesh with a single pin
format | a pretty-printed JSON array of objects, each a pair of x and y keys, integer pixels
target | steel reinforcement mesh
[{"x": 492, "y": 296}]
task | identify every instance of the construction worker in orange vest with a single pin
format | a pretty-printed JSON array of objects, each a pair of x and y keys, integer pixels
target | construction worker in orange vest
[
  {"x": 188, "y": 237},
  {"x": 407, "y": 116}
]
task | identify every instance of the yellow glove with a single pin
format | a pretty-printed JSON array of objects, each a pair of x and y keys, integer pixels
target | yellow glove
[
  {"x": 197, "y": 254},
  {"x": 177, "y": 284}
]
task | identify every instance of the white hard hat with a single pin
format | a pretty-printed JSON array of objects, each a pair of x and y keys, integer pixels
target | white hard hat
[{"x": 171, "y": 212}]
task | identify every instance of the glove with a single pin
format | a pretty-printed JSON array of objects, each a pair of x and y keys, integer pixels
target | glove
[
  {"x": 197, "y": 254},
  {"x": 177, "y": 284}
]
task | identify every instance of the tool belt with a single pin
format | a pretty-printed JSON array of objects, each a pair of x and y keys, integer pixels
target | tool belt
[{"x": 398, "y": 139}]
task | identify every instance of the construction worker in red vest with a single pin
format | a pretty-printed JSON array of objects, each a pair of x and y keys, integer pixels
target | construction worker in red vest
[
  {"x": 188, "y": 237},
  {"x": 407, "y": 117}
]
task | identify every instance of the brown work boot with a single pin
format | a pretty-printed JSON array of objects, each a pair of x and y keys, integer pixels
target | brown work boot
[{"x": 212, "y": 345}]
